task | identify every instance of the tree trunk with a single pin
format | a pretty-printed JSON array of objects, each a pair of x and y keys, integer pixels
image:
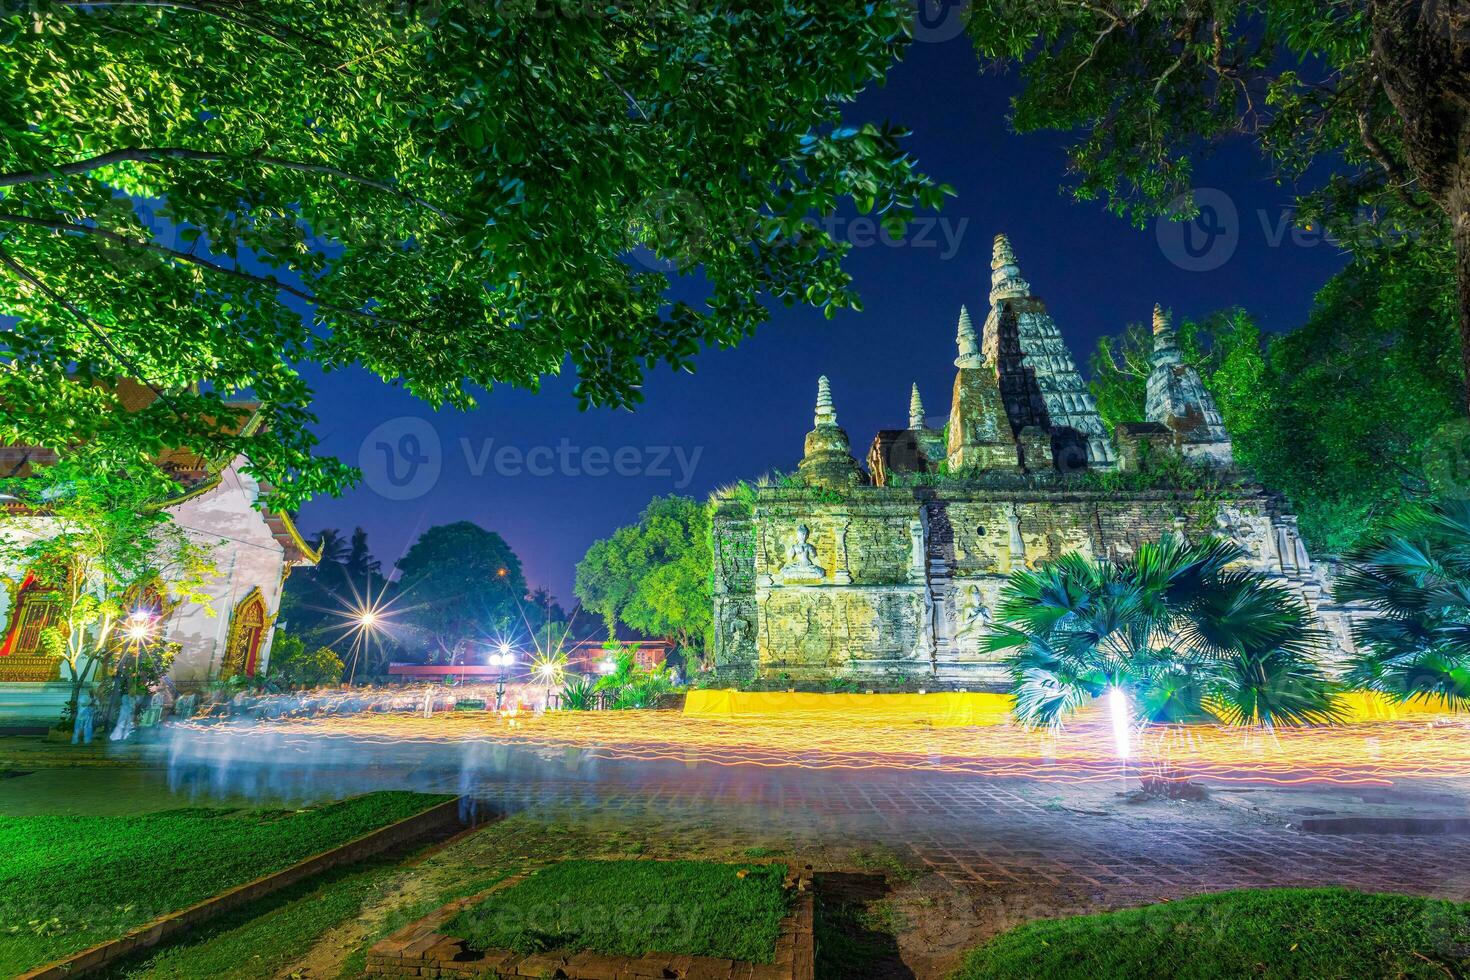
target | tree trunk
[{"x": 1459, "y": 205}]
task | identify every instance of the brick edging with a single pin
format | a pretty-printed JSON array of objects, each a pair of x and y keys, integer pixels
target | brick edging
[
  {"x": 145, "y": 936},
  {"x": 419, "y": 949}
]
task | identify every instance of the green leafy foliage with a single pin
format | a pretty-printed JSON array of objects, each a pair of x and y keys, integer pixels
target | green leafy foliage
[
  {"x": 1145, "y": 88},
  {"x": 655, "y": 575},
  {"x": 629, "y": 908},
  {"x": 1416, "y": 577},
  {"x": 1348, "y": 416},
  {"x": 459, "y": 194},
  {"x": 579, "y": 694},
  {"x": 631, "y": 686},
  {"x": 1302, "y": 933},
  {"x": 93, "y": 878},
  {"x": 295, "y": 664},
  {"x": 1183, "y": 632}
]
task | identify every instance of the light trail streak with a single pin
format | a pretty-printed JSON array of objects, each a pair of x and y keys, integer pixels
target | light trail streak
[{"x": 1368, "y": 754}]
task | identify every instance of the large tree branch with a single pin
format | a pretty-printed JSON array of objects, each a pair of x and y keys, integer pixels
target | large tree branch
[
  {"x": 190, "y": 259},
  {"x": 1397, "y": 178},
  {"x": 156, "y": 154}
]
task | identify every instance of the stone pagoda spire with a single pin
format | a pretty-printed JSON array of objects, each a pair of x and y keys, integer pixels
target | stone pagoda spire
[
  {"x": 980, "y": 435},
  {"x": 826, "y": 411},
  {"x": 1177, "y": 398},
  {"x": 1005, "y": 275},
  {"x": 1042, "y": 389},
  {"x": 916, "y": 408},
  {"x": 967, "y": 342},
  {"x": 828, "y": 461}
]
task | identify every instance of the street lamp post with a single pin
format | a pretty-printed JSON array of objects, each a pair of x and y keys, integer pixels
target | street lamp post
[{"x": 504, "y": 658}]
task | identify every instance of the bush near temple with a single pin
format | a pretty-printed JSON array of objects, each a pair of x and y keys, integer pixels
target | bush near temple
[
  {"x": 1186, "y": 636},
  {"x": 1416, "y": 577}
]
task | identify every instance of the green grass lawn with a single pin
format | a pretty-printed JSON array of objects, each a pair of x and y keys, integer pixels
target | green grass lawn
[
  {"x": 630, "y": 908},
  {"x": 67, "y": 883},
  {"x": 257, "y": 941},
  {"x": 1315, "y": 933}
]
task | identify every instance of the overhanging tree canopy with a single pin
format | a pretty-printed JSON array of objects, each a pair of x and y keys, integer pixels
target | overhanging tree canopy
[
  {"x": 1366, "y": 103},
  {"x": 454, "y": 196}
]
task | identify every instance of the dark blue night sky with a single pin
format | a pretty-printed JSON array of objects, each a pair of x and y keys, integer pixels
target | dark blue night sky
[{"x": 746, "y": 410}]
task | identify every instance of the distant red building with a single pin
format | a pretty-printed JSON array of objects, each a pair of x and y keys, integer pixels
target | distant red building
[{"x": 584, "y": 656}]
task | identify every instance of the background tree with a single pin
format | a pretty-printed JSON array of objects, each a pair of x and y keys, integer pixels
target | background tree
[
  {"x": 333, "y": 550},
  {"x": 1183, "y": 634},
  {"x": 1365, "y": 103},
  {"x": 99, "y": 540},
  {"x": 359, "y": 563},
  {"x": 452, "y": 191},
  {"x": 1416, "y": 577},
  {"x": 1351, "y": 414},
  {"x": 654, "y": 576},
  {"x": 317, "y": 602},
  {"x": 461, "y": 583}
]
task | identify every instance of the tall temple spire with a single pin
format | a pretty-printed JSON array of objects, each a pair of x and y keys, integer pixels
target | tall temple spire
[
  {"x": 1178, "y": 399},
  {"x": 828, "y": 460},
  {"x": 916, "y": 408},
  {"x": 1005, "y": 275},
  {"x": 966, "y": 341},
  {"x": 1165, "y": 342},
  {"x": 826, "y": 413},
  {"x": 1039, "y": 381}
]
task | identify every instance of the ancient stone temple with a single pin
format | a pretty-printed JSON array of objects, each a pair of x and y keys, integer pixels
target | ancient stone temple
[{"x": 893, "y": 572}]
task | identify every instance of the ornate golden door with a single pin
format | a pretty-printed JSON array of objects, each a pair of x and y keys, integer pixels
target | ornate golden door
[{"x": 247, "y": 632}]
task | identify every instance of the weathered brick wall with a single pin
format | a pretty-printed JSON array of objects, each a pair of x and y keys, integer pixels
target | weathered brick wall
[{"x": 911, "y": 576}]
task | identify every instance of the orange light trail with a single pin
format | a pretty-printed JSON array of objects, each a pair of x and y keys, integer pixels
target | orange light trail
[{"x": 1365, "y": 754}]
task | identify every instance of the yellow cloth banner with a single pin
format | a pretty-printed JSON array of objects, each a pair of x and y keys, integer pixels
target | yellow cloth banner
[
  {"x": 1363, "y": 706},
  {"x": 959, "y": 709},
  {"x": 941, "y": 709}
]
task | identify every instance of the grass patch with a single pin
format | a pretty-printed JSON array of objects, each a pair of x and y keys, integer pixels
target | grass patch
[
  {"x": 628, "y": 908},
  {"x": 1280, "y": 933},
  {"x": 356, "y": 963},
  {"x": 257, "y": 941},
  {"x": 854, "y": 932},
  {"x": 69, "y": 882}
]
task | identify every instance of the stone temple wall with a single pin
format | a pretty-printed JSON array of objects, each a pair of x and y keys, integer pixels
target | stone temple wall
[{"x": 901, "y": 582}]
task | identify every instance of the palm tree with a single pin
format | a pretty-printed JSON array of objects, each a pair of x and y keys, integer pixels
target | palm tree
[
  {"x": 359, "y": 561},
  {"x": 1416, "y": 576},
  {"x": 332, "y": 547},
  {"x": 1176, "y": 627}
]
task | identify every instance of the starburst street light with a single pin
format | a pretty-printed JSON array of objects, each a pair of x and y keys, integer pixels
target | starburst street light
[
  {"x": 551, "y": 669},
  {"x": 139, "y": 626},
  {"x": 502, "y": 658}
]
